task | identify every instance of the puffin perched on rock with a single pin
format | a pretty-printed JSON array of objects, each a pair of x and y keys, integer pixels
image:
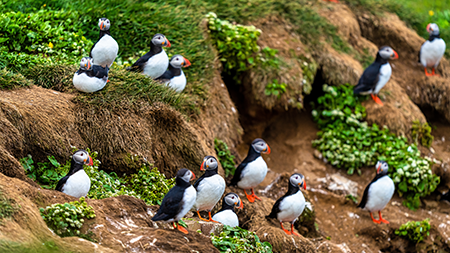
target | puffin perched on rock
[
  {"x": 90, "y": 78},
  {"x": 432, "y": 50},
  {"x": 174, "y": 77},
  {"x": 105, "y": 50},
  {"x": 226, "y": 215},
  {"x": 289, "y": 207},
  {"x": 376, "y": 75},
  {"x": 379, "y": 192},
  {"x": 178, "y": 201},
  {"x": 76, "y": 183},
  {"x": 155, "y": 62},
  {"x": 210, "y": 187},
  {"x": 252, "y": 171}
]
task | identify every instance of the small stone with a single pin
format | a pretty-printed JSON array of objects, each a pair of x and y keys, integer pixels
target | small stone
[{"x": 317, "y": 154}]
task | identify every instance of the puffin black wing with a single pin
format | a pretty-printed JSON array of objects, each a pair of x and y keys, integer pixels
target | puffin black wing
[
  {"x": 166, "y": 76},
  {"x": 275, "y": 208},
  {"x": 61, "y": 182},
  {"x": 90, "y": 52},
  {"x": 363, "y": 202},
  {"x": 197, "y": 183},
  {"x": 98, "y": 71},
  {"x": 238, "y": 173},
  {"x": 171, "y": 204},
  {"x": 140, "y": 63},
  {"x": 369, "y": 78}
]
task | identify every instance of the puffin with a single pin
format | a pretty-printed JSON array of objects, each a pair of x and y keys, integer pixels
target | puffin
[
  {"x": 155, "y": 62},
  {"x": 76, "y": 183},
  {"x": 174, "y": 77},
  {"x": 210, "y": 187},
  {"x": 378, "y": 192},
  {"x": 178, "y": 201},
  {"x": 105, "y": 50},
  {"x": 252, "y": 171},
  {"x": 376, "y": 75},
  {"x": 227, "y": 215},
  {"x": 432, "y": 50},
  {"x": 290, "y": 206},
  {"x": 90, "y": 78}
]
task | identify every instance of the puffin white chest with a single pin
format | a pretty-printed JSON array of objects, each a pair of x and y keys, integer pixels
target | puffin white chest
[
  {"x": 253, "y": 174},
  {"x": 383, "y": 77},
  {"x": 105, "y": 51},
  {"x": 291, "y": 207},
  {"x": 227, "y": 217},
  {"x": 87, "y": 84},
  {"x": 209, "y": 192},
  {"x": 431, "y": 52},
  {"x": 189, "y": 196},
  {"x": 156, "y": 65},
  {"x": 77, "y": 185},
  {"x": 178, "y": 83},
  {"x": 380, "y": 193}
]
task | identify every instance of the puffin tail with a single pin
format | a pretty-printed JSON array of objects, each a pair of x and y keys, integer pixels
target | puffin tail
[
  {"x": 358, "y": 89},
  {"x": 160, "y": 216}
]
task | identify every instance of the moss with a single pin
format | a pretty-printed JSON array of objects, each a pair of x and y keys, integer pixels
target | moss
[
  {"x": 10, "y": 80},
  {"x": 421, "y": 132},
  {"x": 48, "y": 246},
  {"x": 7, "y": 207}
]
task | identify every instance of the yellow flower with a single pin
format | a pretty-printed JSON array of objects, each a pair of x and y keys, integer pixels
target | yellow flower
[
  {"x": 45, "y": 5},
  {"x": 431, "y": 13},
  {"x": 50, "y": 45}
]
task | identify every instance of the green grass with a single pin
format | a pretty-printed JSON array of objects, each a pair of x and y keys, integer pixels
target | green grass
[
  {"x": 38, "y": 247},
  {"x": 7, "y": 207}
]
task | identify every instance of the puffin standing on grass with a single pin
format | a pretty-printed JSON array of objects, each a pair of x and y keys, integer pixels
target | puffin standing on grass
[
  {"x": 174, "y": 77},
  {"x": 432, "y": 50},
  {"x": 210, "y": 187},
  {"x": 226, "y": 215},
  {"x": 178, "y": 201},
  {"x": 76, "y": 183},
  {"x": 252, "y": 171},
  {"x": 105, "y": 50},
  {"x": 155, "y": 62},
  {"x": 90, "y": 78},
  {"x": 379, "y": 192},
  {"x": 289, "y": 207},
  {"x": 376, "y": 75}
]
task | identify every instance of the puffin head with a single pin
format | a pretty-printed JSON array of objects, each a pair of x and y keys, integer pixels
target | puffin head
[
  {"x": 260, "y": 146},
  {"x": 388, "y": 53},
  {"x": 209, "y": 163},
  {"x": 178, "y": 61},
  {"x": 86, "y": 63},
  {"x": 160, "y": 40},
  {"x": 297, "y": 180},
  {"x": 433, "y": 29},
  {"x": 382, "y": 167},
  {"x": 82, "y": 156},
  {"x": 232, "y": 199},
  {"x": 104, "y": 24},
  {"x": 185, "y": 175}
]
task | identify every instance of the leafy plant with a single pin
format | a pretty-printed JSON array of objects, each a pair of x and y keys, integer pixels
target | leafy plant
[
  {"x": 10, "y": 80},
  {"x": 7, "y": 207},
  {"x": 239, "y": 240},
  {"x": 422, "y": 132},
  {"x": 67, "y": 219},
  {"x": 415, "y": 231},
  {"x": 225, "y": 157},
  {"x": 275, "y": 88},
  {"x": 347, "y": 142},
  {"x": 46, "y": 174}
]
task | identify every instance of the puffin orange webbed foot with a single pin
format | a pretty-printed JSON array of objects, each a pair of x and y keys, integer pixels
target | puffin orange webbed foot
[{"x": 182, "y": 229}]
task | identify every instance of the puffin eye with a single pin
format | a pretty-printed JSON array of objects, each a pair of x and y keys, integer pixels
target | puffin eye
[{"x": 159, "y": 38}]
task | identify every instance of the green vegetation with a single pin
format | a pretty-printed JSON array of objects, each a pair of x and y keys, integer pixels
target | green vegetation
[
  {"x": 348, "y": 142},
  {"x": 148, "y": 184},
  {"x": 10, "y": 80},
  {"x": 67, "y": 219},
  {"x": 275, "y": 88},
  {"x": 415, "y": 231},
  {"x": 422, "y": 132},
  {"x": 7, "y": 207},
  {"x": 225, "y": 157},
  {"x": 239, "y": 240},
  {"x": 37, "y": 247}
]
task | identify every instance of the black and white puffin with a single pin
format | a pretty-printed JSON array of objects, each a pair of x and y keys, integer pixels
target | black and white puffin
[
  {"x": 105, "y": 50},
  {"x": 178, "y": 201},
  {"x": 210, "y": 187},
  {"x": 289, "y": 207},
  {"x": 76, "y": 183},
  {"x": 90, "y": 78},
  {"x": 432, "y": 50},
  {"x": 174, "y": 77},
  {"x": 155, "y": 62},
  {"x": 252, "y": 171},
  {"x": 227, "y": 215},
  {"x": 379, "y": 192},
  {"x": 376, "y": 75}
]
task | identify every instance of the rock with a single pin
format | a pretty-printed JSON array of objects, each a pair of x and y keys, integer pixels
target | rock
[
  {"x": 430, "y": 204},
  {"x": 341, "y": 185},
  {"x": 317, "y": 154},
  {"x": 206, "y": 227}
]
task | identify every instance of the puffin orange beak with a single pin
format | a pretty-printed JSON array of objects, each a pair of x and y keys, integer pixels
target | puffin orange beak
[
  {"x": 186, "y": 62},
  {"x": 378, "y": 169},
  {"x": 201, "y": 167},
  {"x": 89, "y": 161},
  {"x": 101, "y": 25},
  {"x": 267, "y": 150},
  {"x": 167, "y": 43},
  {"x": 89, "y": 65},
  {"x": 193, "y": 176},
  {"x": 304, "y": 184},
  {"x": 429, "y": 29},
  {"x": 394, "y": 56},
  {"x": 241, "y": 205}
]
